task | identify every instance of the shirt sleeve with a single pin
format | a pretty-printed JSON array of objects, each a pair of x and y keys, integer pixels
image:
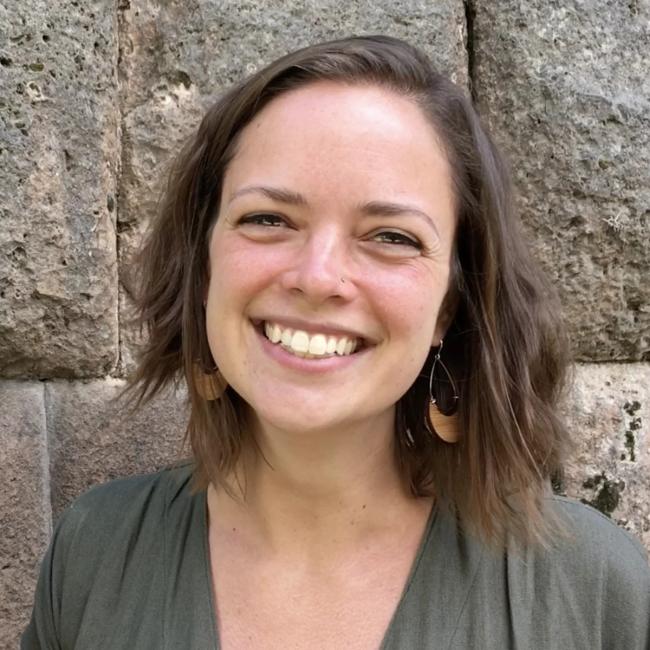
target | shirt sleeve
[
  {"x": 42, "y": 630},
  {"x": 615, "y": 564},
  {"x": 83, "y": 589},
  {"x": 626, "y": 610}
]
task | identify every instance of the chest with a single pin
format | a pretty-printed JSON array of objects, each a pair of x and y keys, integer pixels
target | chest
[{"x": 271, "y": 605}]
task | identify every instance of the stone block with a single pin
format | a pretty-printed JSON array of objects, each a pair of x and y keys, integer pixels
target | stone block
[
  {"x": 609, "y": 416},
  {"x": 25, "y": 515},
  {"x": 177, "y": 57},
  {"x": 59, "y": 152},
  {"x": 94, "y": 438},
  {"x": 566, "y": 89}
]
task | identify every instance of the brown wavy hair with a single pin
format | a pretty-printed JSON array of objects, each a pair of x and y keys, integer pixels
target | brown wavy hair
[{"x": 505, "y": 346}]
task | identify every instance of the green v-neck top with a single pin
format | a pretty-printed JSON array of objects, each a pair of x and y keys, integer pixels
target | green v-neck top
[{"x": 128, "y": 568}]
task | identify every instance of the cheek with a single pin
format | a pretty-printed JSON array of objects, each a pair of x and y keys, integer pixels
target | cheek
[
  {"x": 409, "y": 299},
  {"x": 237, "y": 269}
]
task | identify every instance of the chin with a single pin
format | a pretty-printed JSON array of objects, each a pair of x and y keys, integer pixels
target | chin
[
  {"x": 303, "y": 424},
  {"x": 299, "y": 419}
]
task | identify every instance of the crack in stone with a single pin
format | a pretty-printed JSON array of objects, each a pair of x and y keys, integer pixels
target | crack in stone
[
  {"x": 470, "y": 18},
  {"x": 47, "y": 459}
]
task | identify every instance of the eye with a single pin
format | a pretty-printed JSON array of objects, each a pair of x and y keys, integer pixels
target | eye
[
  {"x": 262, "y": 219},
  {"x": 396, "y": 238}
]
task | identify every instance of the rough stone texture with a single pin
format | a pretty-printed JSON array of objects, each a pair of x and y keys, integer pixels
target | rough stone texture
[
  {"x": 609, "y": 414},
  {"x": 93, "y": 439},
  {"x": 565, "y": 86},
  {"x": 177, "y": 56},
  {"x": 25, "y": 516},
  {"x": 59, "y": 117}
]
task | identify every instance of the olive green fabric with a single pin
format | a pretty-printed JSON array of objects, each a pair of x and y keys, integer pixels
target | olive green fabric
[{"x": 128, "y": 569}]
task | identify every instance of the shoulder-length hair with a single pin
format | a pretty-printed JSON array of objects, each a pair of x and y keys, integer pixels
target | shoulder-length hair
[{"x": 505, "y": 345}]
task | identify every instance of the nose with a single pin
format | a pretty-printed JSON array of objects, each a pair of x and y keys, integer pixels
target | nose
[{"x": 321, "y": 269}]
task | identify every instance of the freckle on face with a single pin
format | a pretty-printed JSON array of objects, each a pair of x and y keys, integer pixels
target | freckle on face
[{"x": 372, "y": 146}]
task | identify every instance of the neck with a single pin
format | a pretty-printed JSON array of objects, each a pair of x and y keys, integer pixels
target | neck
[{"x": 304, "y": 490}]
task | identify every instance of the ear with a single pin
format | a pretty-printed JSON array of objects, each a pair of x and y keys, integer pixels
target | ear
[{"x": 446, "y": 315}]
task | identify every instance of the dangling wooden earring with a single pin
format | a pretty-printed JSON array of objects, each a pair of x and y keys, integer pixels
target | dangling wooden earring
[
  {"x": 209, "y": 385},
  {"x": 442, "y": 421}
]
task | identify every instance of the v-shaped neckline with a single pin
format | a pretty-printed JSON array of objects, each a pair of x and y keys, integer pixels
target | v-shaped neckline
[
  {"x": 425, "y": 540},
  {"x": 427, "y": 534},
  {"x": 207, "y": 568}
]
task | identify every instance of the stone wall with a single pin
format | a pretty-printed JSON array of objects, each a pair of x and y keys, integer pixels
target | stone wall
[{"x": 94, "y": 98}]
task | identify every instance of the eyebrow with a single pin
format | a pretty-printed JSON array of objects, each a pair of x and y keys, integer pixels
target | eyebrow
[
  {"x": 371, "y": 208},
  {"x": 391, "y": 209},
  {"x": 280, "y": 194}
]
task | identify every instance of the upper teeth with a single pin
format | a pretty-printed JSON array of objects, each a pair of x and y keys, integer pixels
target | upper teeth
[{"x": 309, "y": 345}]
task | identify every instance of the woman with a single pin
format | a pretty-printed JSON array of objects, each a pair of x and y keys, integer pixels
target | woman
[{"x": 373, "y": 365}]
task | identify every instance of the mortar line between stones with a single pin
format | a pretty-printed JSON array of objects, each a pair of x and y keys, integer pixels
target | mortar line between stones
[
  {"x": 46, "y": 460},
  {"x": 611, "y": 362},
  {"x": 470, "y": 16},
  {"x": 122, "y": 6}
]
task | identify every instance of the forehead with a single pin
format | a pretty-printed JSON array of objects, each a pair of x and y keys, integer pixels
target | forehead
[{"x": 329, "y": 134}]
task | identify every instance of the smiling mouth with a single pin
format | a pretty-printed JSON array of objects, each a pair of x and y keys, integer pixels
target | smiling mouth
[{"x": 310, "y": 345}]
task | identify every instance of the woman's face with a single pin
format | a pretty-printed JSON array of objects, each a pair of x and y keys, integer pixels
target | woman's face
[{"x": 335, "y": 232}]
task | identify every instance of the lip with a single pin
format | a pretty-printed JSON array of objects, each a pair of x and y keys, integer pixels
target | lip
[
  {"x": 307, "y": 366},
  {"x": 320, "y": 327}
]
